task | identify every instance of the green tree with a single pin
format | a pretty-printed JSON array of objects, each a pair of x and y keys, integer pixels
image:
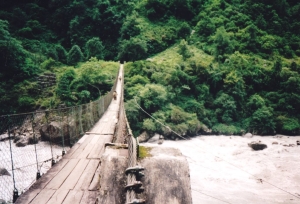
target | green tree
[
  {"x": 63, "y": 87},
  {"x": 184, "y": 50},
  {"x": 75, "y": 55},
  {"x": 61, "y": 53},
  {"x": 225, "y": 108},
  {"x": 222, "y": 43},
  {"x": 255, "y": 102},
  {"x": 205, "y": 27},
  {"x": 94, "y": 48},
  {"x": 133, "y": 49},
  {"x": 184, "y": 30},
  {"x": 12, "y": 55},
  {"x": 153, "y": 96},
  {"x": 262, "y": 122},
  {"x": 130, "y": 27}
]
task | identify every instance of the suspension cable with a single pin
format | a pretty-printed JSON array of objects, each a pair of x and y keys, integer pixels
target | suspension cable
[{"x": 210, "y": 196}]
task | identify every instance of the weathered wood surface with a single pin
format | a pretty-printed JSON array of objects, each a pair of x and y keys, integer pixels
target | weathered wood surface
[
  {"x": 113, "y": 179},
  {"x": 167, "y": 177},
  {"x": 75, "y": 178}
]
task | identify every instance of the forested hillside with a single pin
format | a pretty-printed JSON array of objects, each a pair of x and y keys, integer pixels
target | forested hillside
[{"x": 228, "y": 66}]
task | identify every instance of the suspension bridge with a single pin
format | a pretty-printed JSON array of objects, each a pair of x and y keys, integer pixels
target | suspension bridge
[
  {"x": 68, "y": 148},
  {"x": 88, "y": 128}
]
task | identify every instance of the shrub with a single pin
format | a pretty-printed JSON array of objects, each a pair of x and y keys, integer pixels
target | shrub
[
  {"x": 61, "y": 53},
  {"x": 26, "y": 102},
  {"x": 287, "y": 125},
  {"x": 226, "y": 129},
  {"x": 75, "y": 55},
  {"x": 184, "y": 30},
  {"x": 184, "y": 50},
  {"x": 47, "y": 64}
]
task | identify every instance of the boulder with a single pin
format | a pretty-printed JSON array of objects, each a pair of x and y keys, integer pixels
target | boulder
[
  {"x": 257, "y": 145},
  {"x": 4, "y": 172},
  {"x": 17, "y": 138},
  {"x": 33, "y": 140},
  {"x": 161, "y": 140},
  {"x": 144, "y": 137},
  {"x": 53, "y": 132},
  {"x": 205, "y": 130},
  {"x": 154, "y": 139},
  {"x": 4, "y": 137},
  {"x": 248, "y": 135},
  {"x": 22, "y": 142}
]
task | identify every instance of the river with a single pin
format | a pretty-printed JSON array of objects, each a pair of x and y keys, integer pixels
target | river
[
  {"x": 25, "y": 165},
  {"x": 224, "y": 169}
]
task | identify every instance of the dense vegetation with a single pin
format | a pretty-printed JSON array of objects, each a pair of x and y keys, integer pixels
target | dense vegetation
[{"x": 229, "y": 66}]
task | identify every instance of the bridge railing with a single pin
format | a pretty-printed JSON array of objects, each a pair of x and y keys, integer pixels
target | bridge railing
[
  {"x": 123, "y": 134},
  {"x": 31, "y": 143}
]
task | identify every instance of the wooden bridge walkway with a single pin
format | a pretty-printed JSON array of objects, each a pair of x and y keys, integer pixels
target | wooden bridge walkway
[{"x": 75, "y": 178}]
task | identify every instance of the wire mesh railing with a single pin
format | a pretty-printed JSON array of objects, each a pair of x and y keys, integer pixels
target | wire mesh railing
[
  {"x": 31, "y": 143},
  {"x": 123, "y": 134},
  {"x": 134, "y": 185}
]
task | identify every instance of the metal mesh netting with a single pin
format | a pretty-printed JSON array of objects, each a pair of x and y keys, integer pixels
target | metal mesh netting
[{"x": 31, "y": 143}]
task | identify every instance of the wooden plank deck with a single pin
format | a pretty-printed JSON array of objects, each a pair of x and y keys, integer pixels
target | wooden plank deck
[{"x": 75, "y": 178}]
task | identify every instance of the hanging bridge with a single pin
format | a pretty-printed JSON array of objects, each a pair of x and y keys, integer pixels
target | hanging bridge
[{"x": 74, "y": 173}]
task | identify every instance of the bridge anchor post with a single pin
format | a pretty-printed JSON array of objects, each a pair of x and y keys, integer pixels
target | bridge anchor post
[
  {"x": 53, "y": 162},
  {"x": 15, "y": 195},
  {"x": 38, "y": 175}
]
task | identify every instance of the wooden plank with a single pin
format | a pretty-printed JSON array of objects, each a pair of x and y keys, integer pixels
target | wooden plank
[
  {"x": 93, "y": 133},
  {"x": 73, "y": 197},
  {"x": 98, "y": 149},
  {"x": 100, "y": 127},
  {"x": 84, "y": 154},
  {"x": 58, "y": 197},
  {"x": 76, "y": 154},
  {"x": 79, "y": 147},
  {"x": 28, "y": 196},
  {"x": 72, "y": 179},
  {"x": 41, "y": 183},
  {"x": 95, "y": 152},
  {"x": 95, "y": 184},
  {"x": 72, "y": 150},
  {"x": 95, "y": 139},
  {"x": 87, "y": 176},
  {"x": 43, "y": 196},
  {"x": 109, "y": 129},
  {"x": 89, "y": 197},
  {"x": 56, "y": 182}
]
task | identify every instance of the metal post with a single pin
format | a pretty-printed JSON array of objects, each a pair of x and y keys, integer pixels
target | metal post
[
  {"x": 15, "y": 192},
  {"x": 62, "y": 133},
  {"x": 38, "y": 174},
  {"x": 80, "y": 121},
  {"x": 50, "y": 140}
]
